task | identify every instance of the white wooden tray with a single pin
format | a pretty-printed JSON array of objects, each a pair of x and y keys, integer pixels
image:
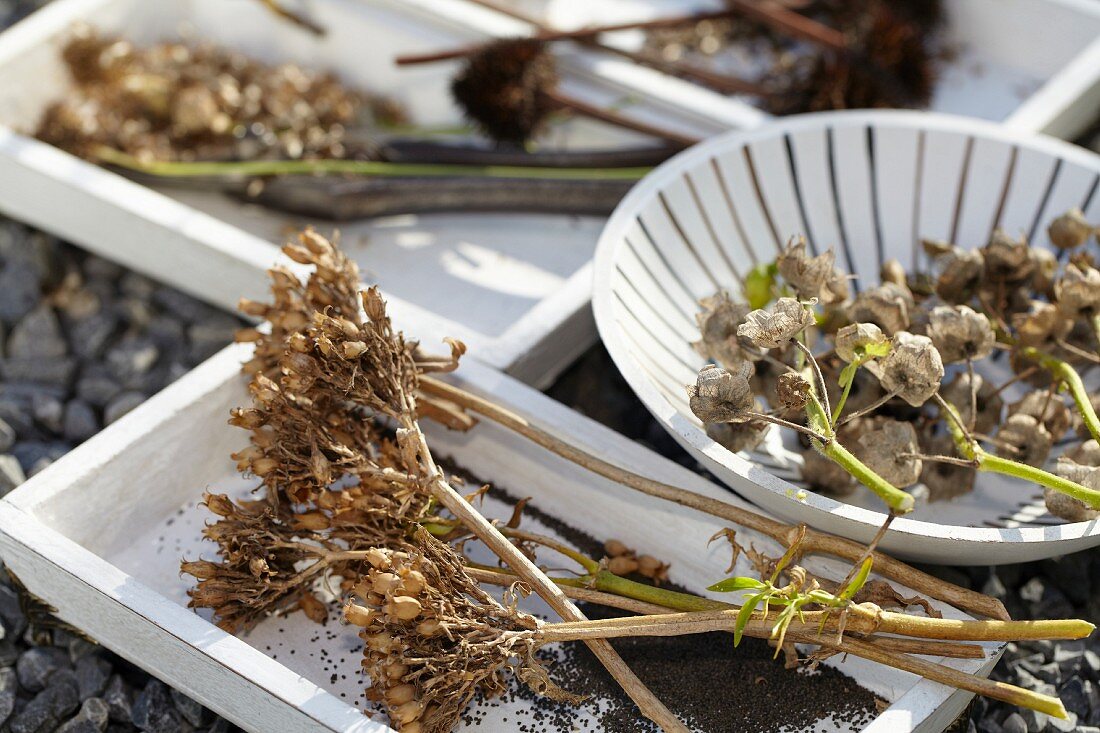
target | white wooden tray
[
  {"x": 516, "y": 288},
  {"x": 871, "y": 185},
  {"x": 1032, "y": 64},
  {"x": 99, "y": 535}
]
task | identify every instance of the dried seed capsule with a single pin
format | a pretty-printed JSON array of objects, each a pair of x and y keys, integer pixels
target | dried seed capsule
[
  {"x": 353, "y": 349},
  {"x": 960, "y": 333},
  {"x": 412, "y": 727},
  {"x": 772, "y": 328},
  {"x": 400, "y": 694},
  {"x": 383, "y": 582},
  {"x": 378, "y": 558},
  {"x": 913, "y": 368},
  {"x": 648, "y": 565},
  {"x": 413, "y": 583},
  {"x": 252, "y": 307},
  {"x": 622, "y": 565},
  {"x": 1070, "y": 230},
  {"x": 889, "y": 306},
  {"x": 263, "y": 466},
  {"x": 430, "y": 627},
  {"x": 855, "y": 338},
  {"x": 405, "y": 608},
  {"x": 379, "y": 642},
  {"x": 313, "y": 521},
  {"x": 738, "y": 436},
  {"x": 358, "y": 615},
  {"x": 614, "y": 548},
  {"x": 397, "y": 670},
  {"x": 720, "y": 396},
  {"x": 406, "y": 713}
]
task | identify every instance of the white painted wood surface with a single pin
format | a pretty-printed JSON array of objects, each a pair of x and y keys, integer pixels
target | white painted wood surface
[
  {"x": 882, "y": 182},
  {"x": 516, "y": 288},
  {"x": 100, "y": 532}
]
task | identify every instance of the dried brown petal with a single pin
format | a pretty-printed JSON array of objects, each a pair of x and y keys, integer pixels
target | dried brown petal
[
  {"x": 889, "y": 306},
  {"x": 1070, "y": 230},
  {"x": 770, "y": 329},
  {"x": 960, "y": 333},
  {"x": 855, "y": 337},
  {"x": 888, "y": 448},
  {"x": 720, "y": 396},
  {"x": 913, "y": 369}
]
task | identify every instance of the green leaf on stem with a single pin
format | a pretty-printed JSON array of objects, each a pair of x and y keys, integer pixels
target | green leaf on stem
[
  {"x": 730, "y": 585},
  {"x": 744, "y": 615},
  {"x": 760, "y": 285},
  {"x": 858, "y": 581}
]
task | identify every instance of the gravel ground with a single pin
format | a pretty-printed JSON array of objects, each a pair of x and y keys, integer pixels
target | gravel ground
[
  {"x": 1063, "y": 587},
  {"x": 82, "y": 342}
]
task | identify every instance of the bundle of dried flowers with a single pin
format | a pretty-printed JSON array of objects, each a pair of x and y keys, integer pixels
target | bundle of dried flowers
[
  {"x": 177, "y": 102},
  {"x": 890, "y": 349},
  {"x": 351, "y": 492}
]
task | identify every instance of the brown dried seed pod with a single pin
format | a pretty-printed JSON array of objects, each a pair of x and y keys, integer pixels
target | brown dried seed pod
[
  {"x": 718, "y": 319},
  {"x": 960, "y": 333},
  {"x": 913, "y": 369},
  {"x": 622, "y": 565},
  {"x": 960, "y": 271},
  {"x": 1027, "y": 440},
  {"x": 792, "y": 391},
  {"x": 825, "y": 476},
  {"x": 807, "y": 274},
  {"x": 889, "y": 306},
  {"x": 774, "y": 327},
  {"x": 358, "y": 615},
  {"x": 720, "y": 396},
  {"x": 738, "y": 436},
  {"x": 990, "y": 405},
  {"x": 1006, "y": 259},
  {"x": 1049, "y": 409},
  {"x": 888, "y": 448},
  {"x": 851, "y": 340},
  {"x": 405, "y": 608},
  {"x": 945, "y": 481},
  {"x": 615, "y": 548},
  {"x": 1070, "y": 230},
  {"x": 400, "y": 694},
  {"x": 1078, "y": 292},
  {"x": 1041, "y": 325}
]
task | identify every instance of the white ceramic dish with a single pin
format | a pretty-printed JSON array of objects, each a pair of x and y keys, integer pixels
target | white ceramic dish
[
  {"x": 1032, "y": 64},
  {"x": 99, "y": 535},
  {"x": 516, "y": 288},
  {"x": 871, "y": 184}
]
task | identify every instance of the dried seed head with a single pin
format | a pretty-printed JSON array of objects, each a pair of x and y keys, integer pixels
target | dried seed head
[
  {"x": 1078, "y": 292},
  {"x": 888, "y": 448},
  {"x": 720, "y": 396},
  {"x": 808, "y": 275},
  {"x": 853, "y": 340},
  {"x": 792, "y": 391},
  {"x": 1024, "y": 439},
  {"x": 1049, "y": 409},
  {"x": 913, "y": 368},
  {"x": 889, "y": 306},
  {"x": 826, "y": 476},
  {"x": 1087, "y": 454},
  {"x": 989, "y": 403},
  {"x": 614, "y": 548},
  {"x": 1041, "y": 325},
  {"x": 1045, "y": 273},
  {"x": 960, "y": 333},
  {"x": 1007, "y": 259},
  {"x": 738, "y": 436},
  {"x": 771, "y": 329},
  {"x": 945, "y": 481},
  {"x": 1070, "y": 230},
  {"x": 1066, "y": 507},
  {"x": 622, "y": 565},
  {"x": 960, "y": 271},
  {"x": 718, "y": 320}
]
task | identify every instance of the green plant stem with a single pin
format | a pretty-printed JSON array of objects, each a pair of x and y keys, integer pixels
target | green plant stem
[
  {"x": 844, "y": 394},
  {"x": 251, "y": 168},
  {"x": 895, "y": 498},
  {"x": 1066, "y": 374},
  {"x": 991, "y": 463}
]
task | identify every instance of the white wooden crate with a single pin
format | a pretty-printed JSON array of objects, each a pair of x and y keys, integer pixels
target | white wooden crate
[
  {"x": 1032, "y": 64},
  {"x": 515, "y": 287},
  {"x": 100, "y": 533}
]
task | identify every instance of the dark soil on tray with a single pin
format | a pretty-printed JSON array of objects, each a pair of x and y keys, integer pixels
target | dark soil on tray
[{"x": 1062, "y": 587}]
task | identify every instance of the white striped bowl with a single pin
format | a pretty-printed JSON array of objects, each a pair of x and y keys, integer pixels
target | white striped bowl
[{"x": 870, "y": 184}]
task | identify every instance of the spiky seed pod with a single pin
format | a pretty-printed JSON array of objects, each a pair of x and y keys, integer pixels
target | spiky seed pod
[{"x": 502, "y": 87}]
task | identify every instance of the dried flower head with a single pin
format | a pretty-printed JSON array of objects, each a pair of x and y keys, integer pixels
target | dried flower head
[
  {"x": 989, "y": 403},
  {"x": 913, "y": 369},
  {"x": 1070, "y": 230},
  {"x": 1007, "y": 259},
  {"x": 771, "y": 329},
  {"x": 960, "y": 333},
  {"x": 1023, "y": 438},
  {"x": 853, "y": 340},
  {"x": 792, "y": 391},
  {"x": 889, "y": 306},
  {"x": 1087, "y": 454},
  {"x": 1041, "y": 325},
  {"x": 1046, "y": 407},
  {"x": 1078, "y": 292},
  {"x": 945, "y": 481},
  {"x": 1066, "y": 507},
  {"x": 889, "y": 448},
  {"x": 738, "y": 436},
  {"x": 959, "y": 271},
  {"x": 808, "y": 275},
  {"x": 718, "y": 320},
  {"x": 720, "y": 396}
]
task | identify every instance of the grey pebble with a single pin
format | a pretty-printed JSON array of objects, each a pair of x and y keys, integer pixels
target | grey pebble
[
  {"x": 183, "y": 306},
  {"x": 89, "y": 336},
  {"x": 92, "y": 718},
  {"x": 7, "y": 436},
  {"x": 153, "y": 710},
  {"x": 37, "y": 336},
  {"x": 92, "y": 674},
  {"x": 48, "y": 708},
  {"x": 11, "y": 473},
  {"x": 11, "y": 613},
  {"x": 131, "y": 358},
  {"x": 56, "y": 372},
  {"x": 49, "y": 411},
  {"x": 9, "y": 654},
  {"x": 121, "y": 405},
  {"x": 97, "y": 267},
  {"x": 96, "y": 387},
  {"x": 119, "y": 699},
  {"x": 1014, "y": 724},
  {"x": 193, "y": 712},
  {"x": 36, "y": 665},
  {"x": 80, "y": 421},
  {"x": 9, "y": 686},
  {"x": 32, "y": 452},
  {"x": 1035, "y": 721},
  {"x": 19, "y": 291},
  {"x": 136, "y": 286}
]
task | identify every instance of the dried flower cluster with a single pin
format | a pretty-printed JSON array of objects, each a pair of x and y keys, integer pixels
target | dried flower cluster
[
  {"x": 906, "y": 359},
  {"x": 176, "y": 101}
]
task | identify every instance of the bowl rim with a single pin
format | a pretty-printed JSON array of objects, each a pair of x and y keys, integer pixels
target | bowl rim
[{"x": 696, "y": 439}]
